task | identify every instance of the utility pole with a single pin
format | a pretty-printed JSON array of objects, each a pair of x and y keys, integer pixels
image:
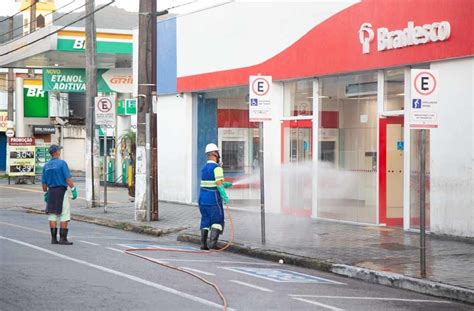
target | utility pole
[
  {"x": 146, "y": 196},
  {"x": 92, "y": 169},
  {"x": 10, "y": 76}
]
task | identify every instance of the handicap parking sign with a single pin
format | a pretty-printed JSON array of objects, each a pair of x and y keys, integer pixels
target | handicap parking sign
[
  {"x": 416, "y": 104},
  {"x": 254, "y": 102},
  {"x": 281, "y": 275}
]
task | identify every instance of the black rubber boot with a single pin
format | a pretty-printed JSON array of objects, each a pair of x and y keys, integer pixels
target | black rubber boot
[
  {"x": 54, "y": 235},
  {"x": 204, "y": 233},
  {"x": 214, "y": 237},
  {"x": 63, "y": 237}
]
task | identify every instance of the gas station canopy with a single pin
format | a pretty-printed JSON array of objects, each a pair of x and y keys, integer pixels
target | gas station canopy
[{"x": 55, "y": 47}]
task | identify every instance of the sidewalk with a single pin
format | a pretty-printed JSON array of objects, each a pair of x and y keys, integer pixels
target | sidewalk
[{"x": 337, "y": 247}]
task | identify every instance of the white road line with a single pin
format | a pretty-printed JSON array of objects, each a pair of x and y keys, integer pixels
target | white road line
[
  {"x": 121, "y": 274},
  {"x": 115, "y": 250},
  {"x": 90, "y": 243},
  {"x": 251, "y": 285},
  {"x": 26, "y": 228},
  {"x": 372, "y": 298},
  {"x": 319, "y": 304},
  {"x": 198, "y": 271}
]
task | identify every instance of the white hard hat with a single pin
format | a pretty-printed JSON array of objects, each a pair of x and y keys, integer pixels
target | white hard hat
[{"x": 211, "y": 148}]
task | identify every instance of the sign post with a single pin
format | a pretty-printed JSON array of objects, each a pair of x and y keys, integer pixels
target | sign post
[
  {"x": 423, "y": 116},
  {"x": 105, "y": 117},
  {"x": 260, "y": 111}
]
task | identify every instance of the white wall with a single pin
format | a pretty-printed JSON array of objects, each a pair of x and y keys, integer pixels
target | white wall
[
  {"x": 175, "y": 160},
  {"x": 452, "y": 151},
  {"x": 74, "y": 147}
]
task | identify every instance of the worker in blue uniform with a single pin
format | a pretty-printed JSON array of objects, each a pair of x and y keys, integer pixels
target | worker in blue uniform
[{"x": 212, "y": 198}]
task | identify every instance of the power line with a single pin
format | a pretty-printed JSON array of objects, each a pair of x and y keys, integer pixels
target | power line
[
  {"x": 58, "y": 30},
  {"x": 36, "y": 19},
  {"x": 7, "y": 18}
]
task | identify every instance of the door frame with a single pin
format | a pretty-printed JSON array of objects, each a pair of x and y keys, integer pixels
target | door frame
[
  {"x": 296, "y": 123},
  {"x": 383, "y": 122}
]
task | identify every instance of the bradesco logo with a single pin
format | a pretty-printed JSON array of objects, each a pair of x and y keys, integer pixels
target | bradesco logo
[{"x": 411, "y": 35}]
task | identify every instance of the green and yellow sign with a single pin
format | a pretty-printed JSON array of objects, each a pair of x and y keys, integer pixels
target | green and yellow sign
[
  {"x": 35, "y": 99},
  {"x": 73, "y": 80}
]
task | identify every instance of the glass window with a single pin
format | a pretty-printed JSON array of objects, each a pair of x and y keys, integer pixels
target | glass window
[
  {"x": 238, "y": 140},
  {"x": 298, "y": 98},
  {"x": 394, "y": 86},
  {"x": 347, "y": 169}
]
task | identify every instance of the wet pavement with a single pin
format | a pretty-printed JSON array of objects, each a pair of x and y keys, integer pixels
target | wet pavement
[{"x": 449, "y": 261}]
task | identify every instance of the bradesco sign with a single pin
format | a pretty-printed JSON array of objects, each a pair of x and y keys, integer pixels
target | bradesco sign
[{"x": 411, "y": 35}]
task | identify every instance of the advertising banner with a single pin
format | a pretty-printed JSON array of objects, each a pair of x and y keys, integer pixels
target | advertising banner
[
  {"x": 21, "y": 156},
  {"x": 70, "y": 80},
  {"x": 41, "y": 157}
]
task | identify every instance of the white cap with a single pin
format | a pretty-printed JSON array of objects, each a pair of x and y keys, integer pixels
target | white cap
[{"x": 211, "y": 148}]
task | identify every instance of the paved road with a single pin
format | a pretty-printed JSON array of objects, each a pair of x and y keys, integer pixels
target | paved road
[{"x": 95, "y": 274}]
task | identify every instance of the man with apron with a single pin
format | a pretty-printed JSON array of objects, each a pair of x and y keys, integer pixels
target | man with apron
[{"x": 55, "y": 180}]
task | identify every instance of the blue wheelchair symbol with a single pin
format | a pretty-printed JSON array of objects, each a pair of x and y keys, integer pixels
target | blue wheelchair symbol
[
  {"x": 253, "y": 102},
  {"x": 416, "y": 103}
]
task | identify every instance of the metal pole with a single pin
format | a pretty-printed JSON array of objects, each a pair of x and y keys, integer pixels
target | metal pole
[
  {"x": 10, "y": 76},
  {"x": 105, "y": 169},
  {"x": 148, "y": 166},
  {"x": 92, "y": 180},
  {"x": 262, "y": 184},
  {"x": 422, "y": 205}
]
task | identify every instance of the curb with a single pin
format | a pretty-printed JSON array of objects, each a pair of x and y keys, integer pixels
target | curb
[
  {"x": 395, "y": 280},
  {"x": 121, "y": 225}
]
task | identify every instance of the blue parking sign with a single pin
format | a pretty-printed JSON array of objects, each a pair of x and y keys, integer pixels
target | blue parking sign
[
  {"x": 281, "y": 275},
  {"x": 253, "y": 102},
  {"x": 416, "y": 104}
]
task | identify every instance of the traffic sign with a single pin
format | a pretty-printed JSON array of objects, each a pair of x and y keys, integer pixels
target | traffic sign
[
  {"x": 424, "y": 99},
  {"x": 105, "y": 111},
  {"x": 260, "y": 98},
  {"x": 10, "y": 133}
]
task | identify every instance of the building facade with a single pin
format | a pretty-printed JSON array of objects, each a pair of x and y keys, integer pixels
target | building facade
[{"x": 339, "y": 145}]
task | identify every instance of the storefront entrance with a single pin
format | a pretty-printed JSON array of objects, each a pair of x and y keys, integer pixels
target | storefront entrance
[
  {"x": 391, "y": 171},
  {"x": 296, "y": 155}
]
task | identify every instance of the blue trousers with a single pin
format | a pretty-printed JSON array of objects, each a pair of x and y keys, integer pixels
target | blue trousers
[{"x": 211, "y": 208}]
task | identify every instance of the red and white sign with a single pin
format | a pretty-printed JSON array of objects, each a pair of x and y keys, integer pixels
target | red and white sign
[
  {"x": 105, "y": 111},
  {"x": 260, "y": 98},
  {"x": 424, "y": 99},
  {"x": 21, "y": 141}
]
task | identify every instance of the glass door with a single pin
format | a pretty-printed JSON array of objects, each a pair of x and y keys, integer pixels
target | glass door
[
  {"x": 296, "y": 155},
  {"x": 391, "y": 171}
]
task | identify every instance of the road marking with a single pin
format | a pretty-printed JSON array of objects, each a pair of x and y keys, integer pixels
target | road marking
[
  {"x": 198, "y": 271},
  {"x": 115, "y": 250},
  {"x": 121, "y": 274},
  {"x": 221, "y": 261},
  {"x": 372, "y": 298},
  {"x": 251, "y": 285},
  {"x": 319, "y": 304},
  {"x": 90, "y": 243},
  {"x": 281, "y": 275},
  {"x": 26, "y": 228}
]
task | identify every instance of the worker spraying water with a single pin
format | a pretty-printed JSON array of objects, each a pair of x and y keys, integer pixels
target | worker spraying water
[{"x": 212, "y": 197}]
